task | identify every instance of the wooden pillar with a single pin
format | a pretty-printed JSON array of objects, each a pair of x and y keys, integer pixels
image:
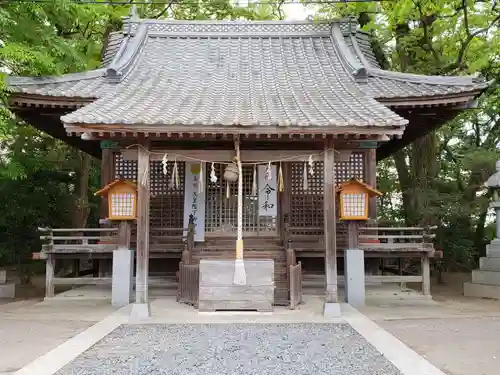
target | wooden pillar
[
  {"x": 371, "y": 179},
  {"x": 49, "y": 275},
  {"x": 102, "y": 268},
  {"x": 330, "y": 224},
  {"x": 373, "y": 264},
  {"x": 107, "y": 166},
  {"x": 76, "y": 267},
  {"x": 142, "y": 256},
  {"x": 286, "y": 197},
  {"x": 124, "y": 234}
]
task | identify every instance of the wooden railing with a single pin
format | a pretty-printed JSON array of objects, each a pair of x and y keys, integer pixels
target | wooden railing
[
  {"x": 101, "y": 242},
  {"x": 397, "y": 239},
  {"x": 377, "y": 242},
  {"x": 105, "y": 240},
  {"x": 78, "y": 240},
  {"x": 403, "y": 241}
]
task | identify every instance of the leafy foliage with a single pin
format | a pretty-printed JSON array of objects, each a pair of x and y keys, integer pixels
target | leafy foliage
[
  {"x": 441, "y": 176},
  {"x": 44, "y": 182}
]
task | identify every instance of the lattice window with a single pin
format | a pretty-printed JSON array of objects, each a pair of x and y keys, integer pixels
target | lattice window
[
  {"x": 353, "y": 168},
  {"x": 126, "y": 169},
  {"x": 306, "y": 205},
  {"x": 166, "y": 201},
  {"x": 221, "y": 212}
]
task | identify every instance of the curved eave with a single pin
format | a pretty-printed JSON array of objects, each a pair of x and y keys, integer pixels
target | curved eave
[
  {"x": 17, "y": 82},
  {"x": 190, "y": 130},
  {"x": 463, "y": 87},
  {"x": 35, "y": 100},
  {"x": 464, "y": 100}
]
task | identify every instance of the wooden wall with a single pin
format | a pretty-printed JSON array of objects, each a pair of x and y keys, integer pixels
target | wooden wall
[{"x": 305, "y": 206}]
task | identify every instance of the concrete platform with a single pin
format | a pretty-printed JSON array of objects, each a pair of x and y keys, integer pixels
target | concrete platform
[{"x": 482, "y": 290}]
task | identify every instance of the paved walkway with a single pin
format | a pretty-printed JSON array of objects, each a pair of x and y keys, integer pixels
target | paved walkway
[
  {"x": 458, "y": 335},
  {"x": 29, "y": 329}
]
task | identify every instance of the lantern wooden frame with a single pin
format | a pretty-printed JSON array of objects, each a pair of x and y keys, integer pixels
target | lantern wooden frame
[
  {"x": 120, "y": 187},
  {"x": 356, "y": 187}
]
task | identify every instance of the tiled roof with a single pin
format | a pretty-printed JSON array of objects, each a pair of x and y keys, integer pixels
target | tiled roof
[{"x": 241, "y": 73}]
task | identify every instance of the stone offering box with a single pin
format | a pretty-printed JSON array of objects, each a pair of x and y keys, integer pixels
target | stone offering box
[{"x": 218, "y": 292}]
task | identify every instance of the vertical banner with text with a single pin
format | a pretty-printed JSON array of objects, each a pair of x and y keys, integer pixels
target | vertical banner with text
[
  {"x": 268, "y": 196},
  {"x": 194, "y": 200}
]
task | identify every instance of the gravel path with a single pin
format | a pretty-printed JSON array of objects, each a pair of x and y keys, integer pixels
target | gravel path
[{"x": 236, "y": 349}]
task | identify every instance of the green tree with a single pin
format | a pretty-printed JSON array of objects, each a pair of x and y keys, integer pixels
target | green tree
[{"x": 441, "y": 175}]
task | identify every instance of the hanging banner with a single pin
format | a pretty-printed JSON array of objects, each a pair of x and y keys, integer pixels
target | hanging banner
[
  {"x": 194, "y": 200},
  {"x": 268, "y": 196}
]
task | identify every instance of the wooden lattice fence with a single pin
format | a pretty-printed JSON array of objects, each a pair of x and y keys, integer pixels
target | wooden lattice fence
[{"x": 189, "y": 284}]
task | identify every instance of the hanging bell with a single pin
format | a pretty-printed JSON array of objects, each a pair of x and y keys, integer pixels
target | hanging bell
[{"x": 231, "y": 172}]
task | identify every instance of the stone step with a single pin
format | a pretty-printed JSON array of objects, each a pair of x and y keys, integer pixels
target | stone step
[
  {"x": 482, "y": 291},
  {"x": 492, "y": 251},
  {"x": 489, "y": 264},
  {"x": 486, "y": 277}
]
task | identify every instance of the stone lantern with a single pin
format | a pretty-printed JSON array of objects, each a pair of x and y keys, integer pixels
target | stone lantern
[{"x": 486, "y": 280}]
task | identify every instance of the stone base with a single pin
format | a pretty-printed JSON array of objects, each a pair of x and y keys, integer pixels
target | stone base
[
  {"x": 493, "y": 249},
  {"x": 7, "y": 291},
  {"x": 489, "y": 264},
  {"x": 486, "y": 277},
  {"x": 122, "y": 279},
  {"x": 482, "y": 291},
  {"x": 331, "y": 310},
  {"x": 219, "y": 292},
  {"x": 141, "y": 311},
  {"x": 354, "y": 266}
]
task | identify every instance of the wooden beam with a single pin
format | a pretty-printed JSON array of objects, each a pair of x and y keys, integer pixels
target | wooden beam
[
  {"x": 186, "y": 129},
  {"x": 331, "y": 295},
  {"x": 142, "y": 263},
  {"x": 160, "y": 281},
  {"x": 246, "y": 155}
]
